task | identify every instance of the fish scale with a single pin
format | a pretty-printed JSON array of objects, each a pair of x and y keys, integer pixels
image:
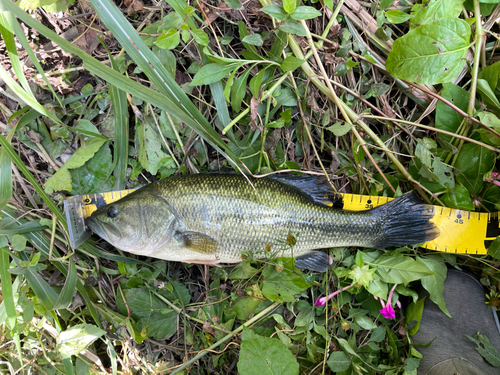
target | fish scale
[{"x": 212, "y": 218}]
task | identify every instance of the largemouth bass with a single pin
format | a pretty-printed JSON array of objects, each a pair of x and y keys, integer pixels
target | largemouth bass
[{"x": 215, "y": 218}]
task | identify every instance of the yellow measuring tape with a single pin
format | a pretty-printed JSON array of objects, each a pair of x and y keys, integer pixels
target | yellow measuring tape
[{"x": 462, "y": 232}]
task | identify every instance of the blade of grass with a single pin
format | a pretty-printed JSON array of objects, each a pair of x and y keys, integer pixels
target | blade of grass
[
  {"x": 18, "y": 32},
  {"x": 42, "y": 243},
  {"x": 150, "y": 64},
  {"x": 5, "y": 178},
  {"x": 66, "y": 295},
  {"x": 192, "y": 119},
  {"x": 7, "y": 294}
]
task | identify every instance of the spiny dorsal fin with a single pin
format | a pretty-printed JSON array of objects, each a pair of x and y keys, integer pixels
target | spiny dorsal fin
[{"x": 316, "y": 188}]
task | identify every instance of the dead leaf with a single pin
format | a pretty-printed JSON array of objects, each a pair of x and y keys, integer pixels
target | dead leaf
[
  {"x": 134, "y": 6},
  {"x": 254, "y": 102}
]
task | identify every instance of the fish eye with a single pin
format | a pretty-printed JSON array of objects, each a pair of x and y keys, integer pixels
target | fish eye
[{"x": 112, "y": 212}]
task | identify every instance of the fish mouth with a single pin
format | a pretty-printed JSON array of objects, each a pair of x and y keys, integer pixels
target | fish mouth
[{"x": 104, "y": 230}]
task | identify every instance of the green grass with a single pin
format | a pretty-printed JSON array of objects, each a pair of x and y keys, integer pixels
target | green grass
[{"x": 277, "y": 89}]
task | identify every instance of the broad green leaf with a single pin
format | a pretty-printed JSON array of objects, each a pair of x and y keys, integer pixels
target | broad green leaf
[
  {"x": 61, "y": 180},
  {"x": 211, "y": 73},
  {"x": 340, "y": 128},
  {"x": 292, "y": 27},
  {"x": 472, "y": 163},
  {"x": 339, "y": 361},
  {"x": 200, "y": 37},
  {"x": 396, "y": 16},
  {"x": 400, "y": 269},
  {"x": 177, "y": 292},
  {"x": 365, "y": 322},
  {"x": 149, "y": 145},
  {"x": 458, "y": 197},
  {"x": 414, "y": 311},
  {"x": 291, "y": 63},
  {"x": 77, "y": 338},
  {"x": 434, "y": 284},
  {"x": 446, "y": 117},
  {"x": 168, "y": 40},
  {"x": 275, "y": 11},
  {"x": 493, "y": 122},
  {"x": 432, "y": 53},
  {"x": 491, "y": 74},
  {"x": 153, "y": 317},
  {"x": 305, "y": 13},
  {"x": 282, "y": 286},
  {"x": 494, "y": 248},
  {"x": 18, "y": 242},
  {"x": 378, "y": 334},
  {"x": 488, "y": 95},
  {"x": 256, "y": 82},
  {"x": 433, "y": 10},
  {"x": 254, "y": 40},
  {"x": 94, "y": 173},
  {"x": 263, "y": 355},
  {"x": 245, "y": 306}
]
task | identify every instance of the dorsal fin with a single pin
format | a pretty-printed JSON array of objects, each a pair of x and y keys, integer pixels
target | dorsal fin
[{"x": 316, "y": 188}]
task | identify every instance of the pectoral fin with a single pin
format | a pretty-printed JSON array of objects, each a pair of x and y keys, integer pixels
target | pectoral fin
[{"x": 199, "y": 242}]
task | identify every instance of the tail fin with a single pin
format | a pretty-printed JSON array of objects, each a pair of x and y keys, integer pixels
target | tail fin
[{"x": 405, "y": 221}]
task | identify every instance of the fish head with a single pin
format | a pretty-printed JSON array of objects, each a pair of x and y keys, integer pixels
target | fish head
[{"x": 139, "y": 223}]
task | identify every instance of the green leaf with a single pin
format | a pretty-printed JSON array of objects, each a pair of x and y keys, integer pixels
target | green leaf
[
  {"x": 432, "y": 53},
  {"x": 365, "y": 322},
  {"x": 18, "y": 242},
  {"x": 234, "y": 4},
  {"x": 77, "y": 338},
  {"x": 491, "y": 74},
  {"x": 396, "y": 16},
  {"x": 61, "y": 180},
  {"x": 493, "y": 122},
  {"x": 488, "y": 95},
  {"x": 7, "y": 290},
  {"x": 338, "y": 362},
  {"x": 66, "y": 295},
  {"x": 472, "y": 163},
  {"x": 434, "y": 284},
  {"x": 263, "y": 355},
  {"x": 168, "y": 40},
  {"x": 5, "y": 178},
  {"x": 414, "y": 311},
  {"x": 211, "y": 73},
  {"x": 487, "y": 351},
  {"x": 254, "y": 40},
  {"x": 458, "y": 197},
  {"x": 275, "y": 11},
  {"x": 149, "y": 145},
  {"x": 282, "y": 286},
  {"x": 433, "y": 10},
  {"x": 305, "y": 13},
  {"x": 153, "y": 317},
  {"x": 494, "y": 248},
  {"x": 378, "y": 334},
  {"x": 200, "y": 37},
  {"x": 446, "y": 117},
  {"x": 289, "y": 6},
  {"x": 340, "y": 128},
  {"x": 246, "y": 306},
  {"x": 291, "y": 63},
  {"x": 362, "y": 275},
  {"x": 94, "y": 173},
  {"x": 399, "y": 269},
  {"x": 256, "y": 82},
  {"x": 238, "y": 90},
  {"x": 292, "y": 27}
]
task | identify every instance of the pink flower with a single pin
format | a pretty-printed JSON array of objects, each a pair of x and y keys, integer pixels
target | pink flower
[
  {"x": 322, "y": 301},
  {"x": 495, "y": 179},
  {"x": 387, "y": 310}
]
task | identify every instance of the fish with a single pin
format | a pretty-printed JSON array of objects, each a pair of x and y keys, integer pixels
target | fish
[{"x": 216, "y": 218}]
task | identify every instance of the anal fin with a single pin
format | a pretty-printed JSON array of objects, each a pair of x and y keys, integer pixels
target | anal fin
[{"x": 314, "y": 260}]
